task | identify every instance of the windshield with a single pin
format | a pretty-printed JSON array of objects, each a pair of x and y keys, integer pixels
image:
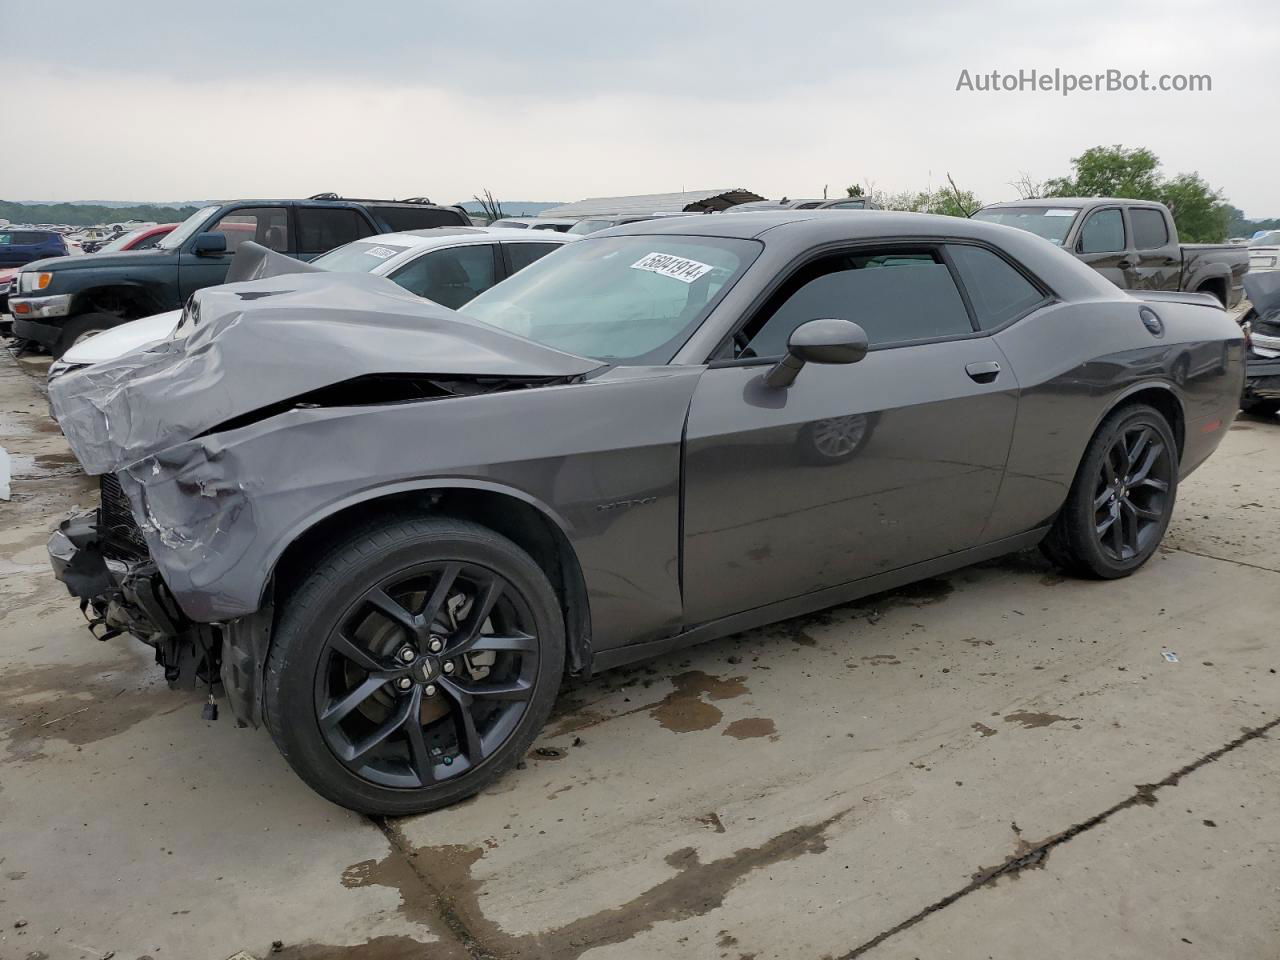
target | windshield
[
  {"x": 631, "y": 299},
  {"x": 1052, "y": 223},
  {"x": 186, "y": 228},
  {"x": 590, "y": 226},
  {"x": 362, "y": 256},
  {"x": 1266, "y": 240},
  {"x": 119, "y": 242}
]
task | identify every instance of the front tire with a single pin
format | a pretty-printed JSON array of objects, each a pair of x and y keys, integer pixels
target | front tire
[
  {"x": 414, "y": 665},
  {"x": 1261, "y": 408},
  {"x": 1122, "y": 497}
]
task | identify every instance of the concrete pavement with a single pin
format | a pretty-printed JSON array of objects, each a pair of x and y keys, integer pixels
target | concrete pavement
[{"x": 1001, "y": 763}]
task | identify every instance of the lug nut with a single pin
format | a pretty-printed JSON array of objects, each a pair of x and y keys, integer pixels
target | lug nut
[
  {"x": 448, "y": 666},
  {"x": 430, "y": 690},
  {"x": 407, "y": 655},
  {"x": 404, "y": 683},
  {"x": 435, "y": 646}
]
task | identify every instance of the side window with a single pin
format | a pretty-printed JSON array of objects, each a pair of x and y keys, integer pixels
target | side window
[
  {"x": 320, "y": 230},
  {"x": 998, "y": 292},
  {"x": 452, "y": 277},
  {"x": 268, "y": 226},
  {"x": 416, "y": 217},
  {"x": 897, "y": 297},
  {"x": 1103, "y": 232},
  {"x": 147, "y": 242},
  {"x": 1149, "y": 229},
  {"x": 523, "y": 254},
  {"x": 849, "y": 205}
]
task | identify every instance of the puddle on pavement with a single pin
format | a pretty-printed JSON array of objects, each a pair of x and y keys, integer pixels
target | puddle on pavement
[
  {"x": 1032, "y": 720},
  {"x": 683, "y": 710},
  {"x": 750, "y": 727}
]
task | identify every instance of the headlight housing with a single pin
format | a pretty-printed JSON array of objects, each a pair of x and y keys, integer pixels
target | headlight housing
[{"x": 30, "y": 281}]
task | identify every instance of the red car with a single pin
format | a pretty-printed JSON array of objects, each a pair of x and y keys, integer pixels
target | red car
[{"x": 144, "y": 238}]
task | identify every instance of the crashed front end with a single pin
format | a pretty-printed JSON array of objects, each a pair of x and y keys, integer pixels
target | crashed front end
[
  {"x": 278, "y": 399},
  {"x": 1262, "y": 370}
]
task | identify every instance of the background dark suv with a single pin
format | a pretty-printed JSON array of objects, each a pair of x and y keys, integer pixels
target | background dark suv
[{"x": 19, "y": 247}]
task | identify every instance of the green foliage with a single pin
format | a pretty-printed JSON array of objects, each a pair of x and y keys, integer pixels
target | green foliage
[
  {"x": 1110, "y": 172},
  {"x": 1238, "y": 225},
  {"x": 855, "y": 190},
  {"x": 943, "y": 201},
  {"x": 88, "y": 214},
  {"x": 1199, "y": 210}
]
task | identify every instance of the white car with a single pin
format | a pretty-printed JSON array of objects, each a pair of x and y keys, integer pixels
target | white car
[
  {"x": 448, "y": 265},
  {"x": 1264, "y": 252},
  {"x": 558, "y": 224}
]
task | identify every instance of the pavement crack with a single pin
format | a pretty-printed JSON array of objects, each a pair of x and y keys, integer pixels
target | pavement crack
[
  {"x": 439, "y": 904},
  {"x": 1238, "y": 563},
  {"x": 1034, "y": 856}
]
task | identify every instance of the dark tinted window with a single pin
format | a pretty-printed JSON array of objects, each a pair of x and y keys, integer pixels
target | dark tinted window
[
  {"x": 1103, "y": 232},
  {"x": 849, "y": 205},
  {"x": 30, "y": 237},
  {"x": 999, "y": 293},
  {"x": 1149, "y": 229},
  {"x": 268, "y": 226},
  {"x": 410, "y": 217},
  {"x": 450, "y": 277},
  {"x": 320, "y": 230},
  {"x": 523, "y": 254},
  {"x": 895, "y": 296}
]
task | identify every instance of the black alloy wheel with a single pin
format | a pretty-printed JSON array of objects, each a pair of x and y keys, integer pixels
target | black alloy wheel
[
  {"x": 415, "y": 664},
  {"x": 1130, "y": 497}
]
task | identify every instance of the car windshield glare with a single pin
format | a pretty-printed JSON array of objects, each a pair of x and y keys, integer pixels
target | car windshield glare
[
  {"x": 632, "y": 299},
  {"x": 1266, "y": 240},
  {"x": 186, "y": 229},
  {"x": 362, "y": 256},
  {"x": 1052, "y": 223}
]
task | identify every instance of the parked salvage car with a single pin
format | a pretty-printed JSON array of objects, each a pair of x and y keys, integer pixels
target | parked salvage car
[
  {"x": 1264, "y": 252},
  {"x": 390, "y": 529},
  {"x": 447, "y": 265},
  {"x": 24, "y": 245},
  {"x": 1133, "y": 243},
  {"x": 58, "y": 303},
  {"x": 143, "y": 238},
  {"x": 1261, "y": 324},
  {"x": 840, "y": 203}
]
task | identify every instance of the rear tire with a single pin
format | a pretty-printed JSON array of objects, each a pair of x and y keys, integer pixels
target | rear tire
[
  {"x": 379, "y": 644},
  {"x": 1122, "y": 498},
  {"x": 81, "y": 328}
]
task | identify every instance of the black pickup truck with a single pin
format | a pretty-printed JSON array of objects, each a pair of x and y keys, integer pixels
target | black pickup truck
[
  {"x": 1133, "y": 243},
  {"x": 59, "y": 301}
]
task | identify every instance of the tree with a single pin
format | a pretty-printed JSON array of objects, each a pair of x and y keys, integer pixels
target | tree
[
  {"x": 1198, "y": 210},
  {"x": 1027, "y": 187},
  {"x": 945, "y": 200},
  {"x": 855, "y": 190},
  {"x": 1113, "y": 171}
]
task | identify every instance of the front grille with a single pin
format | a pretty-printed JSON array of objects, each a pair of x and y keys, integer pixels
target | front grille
[{"x": 118, "y": 532}]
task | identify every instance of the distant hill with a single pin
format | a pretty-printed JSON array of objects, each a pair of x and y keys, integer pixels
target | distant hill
[
  {"x": 115, "y": 204},
  {"x": 515, "y": 208},
  {"x": 88, "y": 214}
]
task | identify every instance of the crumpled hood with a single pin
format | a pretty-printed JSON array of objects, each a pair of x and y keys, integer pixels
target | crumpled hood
[
  {"x": 1263, "y": 291},
  {"x": 264, "y": 342}
]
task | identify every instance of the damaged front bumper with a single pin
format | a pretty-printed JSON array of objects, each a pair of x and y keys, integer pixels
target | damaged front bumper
[{"x": 121, "y": 591}]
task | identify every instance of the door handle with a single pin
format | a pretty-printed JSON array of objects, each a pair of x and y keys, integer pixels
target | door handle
[
  {"x": 1127, "y": 264},
  {"x": 984, "y": 371}
]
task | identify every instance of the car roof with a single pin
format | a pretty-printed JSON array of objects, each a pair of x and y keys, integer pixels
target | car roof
[
  {"x": 805, "y": 228},
  {"x": 444, "y": 236},
  {"x": 1073, "y": 203}
]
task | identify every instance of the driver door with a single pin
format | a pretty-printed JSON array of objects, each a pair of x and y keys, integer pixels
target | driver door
[{"x": 853, "y": 470}]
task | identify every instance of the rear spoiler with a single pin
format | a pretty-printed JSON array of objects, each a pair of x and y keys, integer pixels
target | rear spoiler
[{"x": 1176, "y": 296}]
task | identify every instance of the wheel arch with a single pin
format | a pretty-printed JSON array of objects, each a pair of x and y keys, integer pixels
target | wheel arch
[
  {"x": 1158, "y": 394},
  {"x": 136, "y": 297},
  {"x": 527, "y": 522},
  {"x": 1215, "y": 286}
]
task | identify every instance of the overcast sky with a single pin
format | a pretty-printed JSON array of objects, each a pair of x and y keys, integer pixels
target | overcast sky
[{"x": 565, "y": 100}]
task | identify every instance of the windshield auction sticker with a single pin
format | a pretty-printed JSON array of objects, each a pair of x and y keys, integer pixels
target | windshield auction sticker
[
  {"x": 382, "y": 253},
  {"x": 669, "y": 265}
]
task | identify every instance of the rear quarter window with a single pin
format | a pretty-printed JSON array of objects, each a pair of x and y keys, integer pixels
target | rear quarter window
[
  {"x": 998, "y": 292},
  {"x": 1149, "y": 228},
  {"x": 399, "y": 219}
]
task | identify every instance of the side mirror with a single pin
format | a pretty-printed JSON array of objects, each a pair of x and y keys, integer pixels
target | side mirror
[
  {"x": 818, "y": 341},
  {"x": 209, "y": 244}
]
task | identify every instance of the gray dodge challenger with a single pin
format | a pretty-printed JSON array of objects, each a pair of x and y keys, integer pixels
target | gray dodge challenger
[{"x": 387, "y": 530}]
